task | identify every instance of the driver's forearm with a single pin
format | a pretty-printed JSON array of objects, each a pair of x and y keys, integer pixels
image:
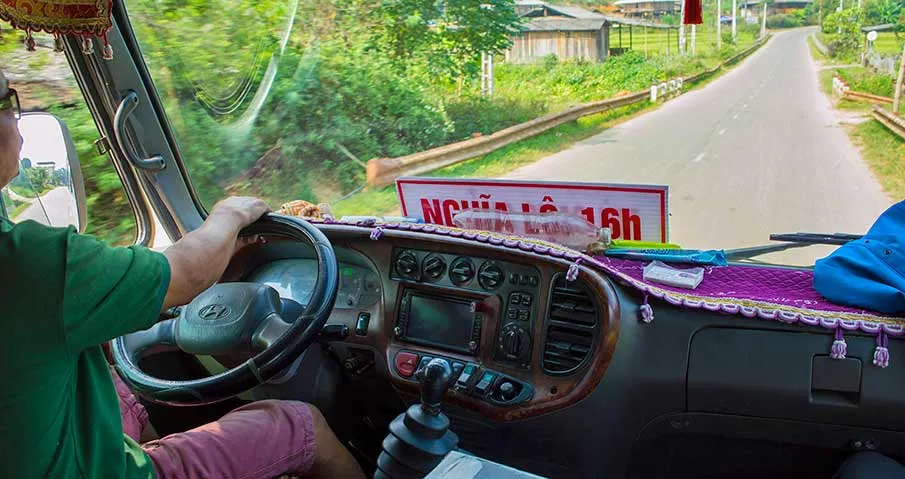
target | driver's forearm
[{"x": 198, "y": 259}]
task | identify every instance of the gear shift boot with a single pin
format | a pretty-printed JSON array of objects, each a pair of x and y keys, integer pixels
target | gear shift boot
[{"x": 419, "y": 438}]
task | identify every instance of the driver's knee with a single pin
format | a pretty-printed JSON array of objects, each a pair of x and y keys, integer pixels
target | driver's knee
[{"x": 332, "y": 458}]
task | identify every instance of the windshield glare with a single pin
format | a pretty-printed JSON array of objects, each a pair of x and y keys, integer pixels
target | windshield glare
[{"x": 289, "y": 100}]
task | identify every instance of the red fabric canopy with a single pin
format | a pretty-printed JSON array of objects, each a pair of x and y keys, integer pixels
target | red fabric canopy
[
  {"x": 85, "y": 18},
  {"x": 693, "y": 12},
  {"x": 63, "y": 17}
]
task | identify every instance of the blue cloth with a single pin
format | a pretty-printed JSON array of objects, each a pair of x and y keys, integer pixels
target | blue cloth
[{"x": 868, "y": 273}]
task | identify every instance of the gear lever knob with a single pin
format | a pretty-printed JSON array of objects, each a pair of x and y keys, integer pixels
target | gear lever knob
[{"x": 434, "y": 378}]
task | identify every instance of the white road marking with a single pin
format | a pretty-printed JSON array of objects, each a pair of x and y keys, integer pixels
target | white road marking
[
  {"x": 698, "y": 158},
  {"x": 735, "y": 116},
  {"x": 722, "y": 131}
]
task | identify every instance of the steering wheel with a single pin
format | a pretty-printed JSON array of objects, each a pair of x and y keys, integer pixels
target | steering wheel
[{"x": 231, "y": 318}]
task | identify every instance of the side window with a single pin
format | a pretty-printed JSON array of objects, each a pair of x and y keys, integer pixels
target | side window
[{"x": 43, "y": 191}]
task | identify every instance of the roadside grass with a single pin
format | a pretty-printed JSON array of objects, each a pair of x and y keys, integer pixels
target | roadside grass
[
  {"x": 383, "y": 201},
  {"x": 17, "y": 210},
  {"x": 818, "y": 57},
  {"x": 654, "y": 41},
  {"x": 868, "y": 81},
  {"x": 826, "y": 85},
  {"x": 883, "y": 151}
]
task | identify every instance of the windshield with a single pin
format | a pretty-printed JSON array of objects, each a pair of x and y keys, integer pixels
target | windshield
[{"x": 289, "y": 100}]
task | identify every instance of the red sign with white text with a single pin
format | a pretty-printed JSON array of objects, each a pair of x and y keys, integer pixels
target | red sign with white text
[{"x": 632, "y": 212}]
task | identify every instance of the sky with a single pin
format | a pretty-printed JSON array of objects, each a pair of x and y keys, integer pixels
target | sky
[{"x": 43, "y": 140}]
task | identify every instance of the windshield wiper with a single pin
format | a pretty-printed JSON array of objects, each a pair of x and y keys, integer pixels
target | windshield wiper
[
  {"x": 790, "y": 240},
  {"x": 815, "y": 238}
]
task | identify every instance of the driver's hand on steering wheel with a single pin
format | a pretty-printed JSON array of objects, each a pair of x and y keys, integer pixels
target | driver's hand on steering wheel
[
  {"x": 245, "y": 210},
  {"x": 199, "y": 258}
]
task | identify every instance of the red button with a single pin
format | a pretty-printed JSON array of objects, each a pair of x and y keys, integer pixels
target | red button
[{"x": 406, "y": 363}]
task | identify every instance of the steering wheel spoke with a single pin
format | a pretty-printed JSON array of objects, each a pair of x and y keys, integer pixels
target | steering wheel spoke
[
  {"x": 161, "y": 336},
  {"x": 269, "y": 332}
]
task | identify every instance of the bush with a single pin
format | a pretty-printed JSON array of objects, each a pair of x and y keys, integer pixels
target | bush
[
  {"x": 550, "y": 61},
  {"x": 784, "y": 20},
  {"x": 843, "y": 32},
  {"x": 867, "y": 81}
]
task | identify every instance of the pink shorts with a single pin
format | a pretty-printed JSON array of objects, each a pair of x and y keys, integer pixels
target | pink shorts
[{"x": 260, "y": 440}]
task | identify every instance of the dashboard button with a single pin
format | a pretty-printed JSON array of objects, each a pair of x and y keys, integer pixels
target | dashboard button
[
  {"x": 526, "y": 299},
  {"x": 515, "y": 298},
  {"x": 523, "y": 315},
  {"x": 484, "y": 384},
  {"x": 467, "y": 375},
  {"x": 423, "y": 362},
  {"x": 433, "y": 266},
  {"x": 533, "y": 280},
  {"x": 405, "y": 363},
  {"x": 406, "y": 264},
  {"x": 361, "y": 326},
  {"x": 513, "y": 278},
  {"x": 506, "y": 390},
  {"x": 491, "y": 276},
  {"x": 461, "y": 271},
  {"x": 457, "y": 368},
  {"x": 512, "y": 314}
]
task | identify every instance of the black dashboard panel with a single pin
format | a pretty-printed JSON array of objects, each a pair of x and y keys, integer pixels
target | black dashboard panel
[{"x": 643, "y": 391}]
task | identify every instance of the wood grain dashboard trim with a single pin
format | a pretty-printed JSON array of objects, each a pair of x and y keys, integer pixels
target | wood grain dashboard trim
[{"x": 551, "y": 393}]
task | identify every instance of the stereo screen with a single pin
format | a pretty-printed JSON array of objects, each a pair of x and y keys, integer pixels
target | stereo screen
[{"x": 441, "y": 322}]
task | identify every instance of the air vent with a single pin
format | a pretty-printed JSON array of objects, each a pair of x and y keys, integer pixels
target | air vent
[{"x": 571, "y": 327}]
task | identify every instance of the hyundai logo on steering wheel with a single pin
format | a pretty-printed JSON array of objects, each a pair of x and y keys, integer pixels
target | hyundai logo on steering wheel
[{"x": 213, "y": 312}]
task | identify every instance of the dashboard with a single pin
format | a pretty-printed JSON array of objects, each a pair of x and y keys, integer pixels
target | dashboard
[{"x": 521, "y": 339}]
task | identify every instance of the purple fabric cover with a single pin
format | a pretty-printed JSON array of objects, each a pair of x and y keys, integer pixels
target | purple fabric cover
[
  {"x": 772, "y": 285},
  {"x": 754, "y": 291}
]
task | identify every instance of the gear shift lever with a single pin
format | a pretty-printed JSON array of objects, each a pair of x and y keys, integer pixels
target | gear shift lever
[
  {"x": 420, "y": 437},
  {"x": 434, "y": 378}
]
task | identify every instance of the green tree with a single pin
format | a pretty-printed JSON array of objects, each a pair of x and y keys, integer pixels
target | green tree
[
  {"x": 450, "y": 35},
  {"x": 844, "y": 31},
  {"x": 879, "y": 12},
  {"x": 39, "y": 178}
]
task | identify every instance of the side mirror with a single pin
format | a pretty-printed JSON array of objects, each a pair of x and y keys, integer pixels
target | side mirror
[{"x": 50, "y": 188}]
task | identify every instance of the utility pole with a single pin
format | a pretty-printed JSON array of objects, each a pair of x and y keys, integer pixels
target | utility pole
[
  {"x": 487, "y": 74},
  {"x": 763, "y": 22},
  {"x": 693, "y": 35},
  {"x": 897, "y": 96},
  {"x": 839, "y": 30},
  {"x": 719, "y": 24},
  {"x": 682, "y": 28},
  {"x": 734, "y": 8}
]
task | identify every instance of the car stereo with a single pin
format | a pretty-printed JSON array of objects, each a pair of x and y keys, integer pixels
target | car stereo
[{"x": 442, "y": 321}]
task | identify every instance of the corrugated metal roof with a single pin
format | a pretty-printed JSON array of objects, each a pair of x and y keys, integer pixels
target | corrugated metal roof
[
  {"x": 633, "y": 2},
  {"x": 638, "y": 22},
  {"x": 879, "y": 28},
  {"x": 573, "y": 12},
  {"x": 577, "y": 12},
  {"x": 563, "y": 24}
]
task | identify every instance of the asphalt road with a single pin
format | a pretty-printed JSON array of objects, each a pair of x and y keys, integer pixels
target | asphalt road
[
  {"x": 55, "y": 208},
  {"x": 758, "y": 151}
]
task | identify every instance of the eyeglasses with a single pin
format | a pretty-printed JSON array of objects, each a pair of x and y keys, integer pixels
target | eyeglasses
[{"x": 11, "y": 102}]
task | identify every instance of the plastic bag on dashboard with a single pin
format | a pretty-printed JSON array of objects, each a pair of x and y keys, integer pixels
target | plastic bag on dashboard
[{"x": 571, "y": 231}]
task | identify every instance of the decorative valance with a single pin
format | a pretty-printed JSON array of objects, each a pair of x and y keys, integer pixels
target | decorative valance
[{"x": 82, "y": 18}]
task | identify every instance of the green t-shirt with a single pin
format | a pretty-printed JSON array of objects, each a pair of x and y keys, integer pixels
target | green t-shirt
[{"x": 61, "y": 296}]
